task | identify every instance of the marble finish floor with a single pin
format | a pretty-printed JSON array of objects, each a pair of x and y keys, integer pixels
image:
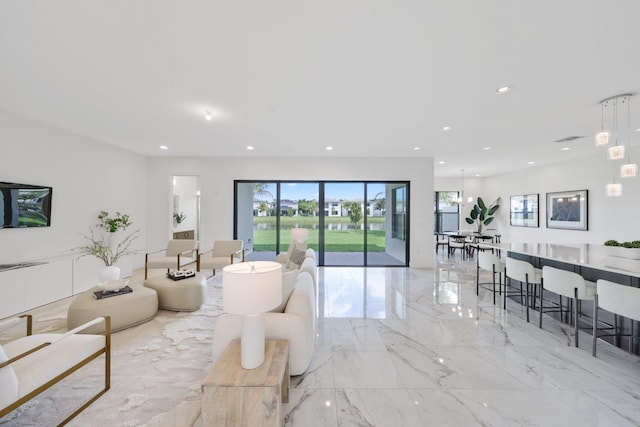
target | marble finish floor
[{"x": 394, "y": 347}]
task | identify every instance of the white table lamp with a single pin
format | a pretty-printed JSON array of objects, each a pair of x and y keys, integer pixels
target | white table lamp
[
  {"x": 251, "y": 289},
  {"x": 299, "y": 234}
]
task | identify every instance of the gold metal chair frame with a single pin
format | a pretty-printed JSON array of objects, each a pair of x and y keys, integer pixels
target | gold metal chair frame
[{"x": 106, "y": 350}]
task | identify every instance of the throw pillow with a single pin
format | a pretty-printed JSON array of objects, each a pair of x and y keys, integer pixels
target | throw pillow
[{"x": 297, "y": 256}]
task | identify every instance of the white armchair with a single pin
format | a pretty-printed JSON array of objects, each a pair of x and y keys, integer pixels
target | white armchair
[
  {"x": 34, "y": 363},
  {"x": 179, "y": 252},
  {"x": 224, "y": 252}
]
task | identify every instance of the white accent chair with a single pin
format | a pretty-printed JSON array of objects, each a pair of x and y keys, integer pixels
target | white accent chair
[
  {"x": 224, "y": 252},
  {"x": 523, "y": 272},
  {"x": 179, "y": 252},
  {"x": 569, "y": 284},
  {"x": 490, "y": 262},
  {"x": 619, "y": 299},
  {"x": 32, "y": 364}
]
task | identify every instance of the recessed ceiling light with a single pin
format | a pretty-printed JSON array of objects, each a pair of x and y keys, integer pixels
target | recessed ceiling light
[
  {"x": 249, "y": 147},
  {"x": 446, "y": 128},
  {"x": 477, "y": 174},
  {"x": 531, "y": 163},
  {"x": 164, "y": 147},
  {"x": 486, "y": 148},
  {"x": 207, "y": 115},
  {"x": 416, "y": 148},
  {"x": 638, "y": 130},
  {"x": 504, "y": 89},
  {"x": 566, "y": 148},
  {"x": 441, "y": 162},
  {"x": 329, "y": 148}
]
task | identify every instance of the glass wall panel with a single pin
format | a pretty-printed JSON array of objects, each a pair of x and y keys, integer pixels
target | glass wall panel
[
  {"x": 256, "y": 219},
  {"x": 344, "y": 223},
  {"x": 386, "y": 245},
  {"x": 299, "y": 208}
]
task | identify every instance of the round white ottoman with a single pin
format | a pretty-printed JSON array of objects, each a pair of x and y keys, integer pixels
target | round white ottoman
[
  {"x": 179, "y": 295},
  {"x": 125, "y": 310}
]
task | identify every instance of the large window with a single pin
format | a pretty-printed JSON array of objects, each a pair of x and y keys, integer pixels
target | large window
[
  {"x": 348, "y": 222},
  {"x": 447, "y": 211}
]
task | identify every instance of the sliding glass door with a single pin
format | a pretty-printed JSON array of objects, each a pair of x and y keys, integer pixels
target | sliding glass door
[{"x": 349, "y": 223}]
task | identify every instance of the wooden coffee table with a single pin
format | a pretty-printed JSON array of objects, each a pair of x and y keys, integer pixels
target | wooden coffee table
[{"x": 233, "y": 396}]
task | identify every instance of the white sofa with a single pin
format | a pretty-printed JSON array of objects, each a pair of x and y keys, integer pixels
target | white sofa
[{"x": 296, "y": 323}]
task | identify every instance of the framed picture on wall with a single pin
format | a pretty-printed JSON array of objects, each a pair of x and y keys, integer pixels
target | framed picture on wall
[
  {"x": 524, "y": 211},
  {"x": 567, "y": 210}
]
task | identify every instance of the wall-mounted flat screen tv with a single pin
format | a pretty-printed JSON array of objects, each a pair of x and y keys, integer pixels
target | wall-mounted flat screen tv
[{"x": 24, "y": 205}]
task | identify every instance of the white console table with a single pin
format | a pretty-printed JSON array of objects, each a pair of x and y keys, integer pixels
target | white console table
[{"x": 32, "y": 284}]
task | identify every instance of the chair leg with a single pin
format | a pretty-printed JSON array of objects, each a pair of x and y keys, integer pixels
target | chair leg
[
  {"x": 527, "y": 297},
  {"x": 541, "y": 293},
  {"x": 575, "y": 313},
  {"x": 595, "y": 324}
]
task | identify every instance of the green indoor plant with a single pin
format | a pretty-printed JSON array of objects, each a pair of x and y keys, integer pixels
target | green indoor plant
[
  {"x": 179, "y": 217},
  {"x": 101, "y": 244},
  {"x": 481, "y": 214}
]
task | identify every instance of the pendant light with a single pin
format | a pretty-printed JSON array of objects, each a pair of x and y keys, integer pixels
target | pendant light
[{"x": 629, "y": 170}]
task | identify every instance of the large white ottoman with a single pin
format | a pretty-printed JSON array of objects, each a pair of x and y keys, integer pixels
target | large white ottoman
[
  {"x": 179, "y": 295},
  {"x": 125, "y": 310}
]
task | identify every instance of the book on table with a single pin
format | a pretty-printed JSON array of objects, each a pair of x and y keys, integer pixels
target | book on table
[{"x": 107, "y": 294}]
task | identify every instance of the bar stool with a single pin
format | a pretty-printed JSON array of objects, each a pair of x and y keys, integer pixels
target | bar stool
[
  {"x": 492, "y": 263},
  {"x": 523, "y": 272},
  {"x": 619, "y": 299},
  {"x": 568, "y": 284}
]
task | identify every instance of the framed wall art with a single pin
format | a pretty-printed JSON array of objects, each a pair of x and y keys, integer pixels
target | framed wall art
[
  {"x": 568, "y": 210},
  {"x": 524, "y": 211}
]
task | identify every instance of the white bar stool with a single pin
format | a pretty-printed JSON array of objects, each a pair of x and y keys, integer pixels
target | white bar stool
[
  {"x": 568, "y": 284},
  {"x": 619, "y": 299}
]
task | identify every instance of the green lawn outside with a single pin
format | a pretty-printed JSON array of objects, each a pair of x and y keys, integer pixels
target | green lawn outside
[{"x": 335, "y": 240}]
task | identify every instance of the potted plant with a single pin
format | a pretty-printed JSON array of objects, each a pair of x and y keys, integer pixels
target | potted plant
[
  {"x": 179, "y": 217},
  {"x": 102, "y": 244},
  {"x": 481, "y": 214}
]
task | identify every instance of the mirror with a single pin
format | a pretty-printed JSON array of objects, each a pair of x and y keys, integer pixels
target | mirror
[{"x": 185, "y": 210}]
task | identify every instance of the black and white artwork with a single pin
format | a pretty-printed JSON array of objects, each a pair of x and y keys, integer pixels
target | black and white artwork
[{"x": 567, "y": 210}]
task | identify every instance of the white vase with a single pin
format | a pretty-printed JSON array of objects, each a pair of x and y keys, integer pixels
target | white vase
[{"x": 108, "y": 273}]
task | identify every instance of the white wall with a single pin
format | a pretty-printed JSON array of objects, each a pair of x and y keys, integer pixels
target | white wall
[
  {"x": 609, "y": 217},
  {"x": 217, "y": 176},
  {"x": 87, "y": 176}
]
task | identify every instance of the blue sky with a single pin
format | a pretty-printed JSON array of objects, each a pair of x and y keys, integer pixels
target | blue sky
[{"x": 308, "y": 190}]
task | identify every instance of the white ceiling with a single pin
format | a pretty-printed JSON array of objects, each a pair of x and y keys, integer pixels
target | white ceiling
[{"x": 368, "y": 77}]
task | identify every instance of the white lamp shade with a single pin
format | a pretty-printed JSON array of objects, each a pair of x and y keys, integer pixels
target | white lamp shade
[
  {"x": 616, "y": 152},
  {"x": 251, "y": 287},
  {"x": 602, "y": 138},
  {"x": 299, "y": 234}
]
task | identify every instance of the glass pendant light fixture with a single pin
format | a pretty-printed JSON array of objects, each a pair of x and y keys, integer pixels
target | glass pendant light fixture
[
  {"x": 617, "y": 151},
  {"x": 602, "y": 137},
  {"x": 629, "y": 170}
]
